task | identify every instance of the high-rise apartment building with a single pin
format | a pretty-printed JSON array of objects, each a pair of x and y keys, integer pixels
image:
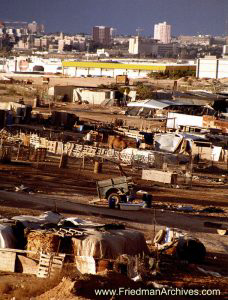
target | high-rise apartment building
[
  {"x": 35, "y": 28},
  {"x": 102, "y": 35},
  {"x": 162, "y": 32}
]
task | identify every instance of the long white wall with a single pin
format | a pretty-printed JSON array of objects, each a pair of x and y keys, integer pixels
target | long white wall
[
  {"x": 212, "y": 68},
  {"x": 79, "y": 72},
  {"x": 175, "y": 120}
]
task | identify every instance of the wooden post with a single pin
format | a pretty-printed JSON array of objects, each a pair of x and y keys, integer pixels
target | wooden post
[
  {"x": 191, "y": 167},
  {"x": 83, "y": 162},
  {"x": 18, "y": 151}
]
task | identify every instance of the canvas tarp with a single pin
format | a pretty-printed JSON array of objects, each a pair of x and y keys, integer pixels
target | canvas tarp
[{"x": 110, "y": 244}]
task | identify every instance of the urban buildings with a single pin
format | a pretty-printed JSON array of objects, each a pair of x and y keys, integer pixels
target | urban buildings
[
  {"x": 102, "y": 35},
  {"x": 162, "y": 32}
]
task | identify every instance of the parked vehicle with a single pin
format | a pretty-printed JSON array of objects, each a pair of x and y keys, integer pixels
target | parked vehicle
[{"x": 115, "y": 188}]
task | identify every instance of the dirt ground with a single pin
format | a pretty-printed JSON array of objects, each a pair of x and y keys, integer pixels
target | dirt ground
[{"x": 70, "y": 190}]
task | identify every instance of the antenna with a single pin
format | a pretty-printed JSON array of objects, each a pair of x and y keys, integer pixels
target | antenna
[
  {"x": 226, "y": 31},
  {"x": 138, "y": 30}
]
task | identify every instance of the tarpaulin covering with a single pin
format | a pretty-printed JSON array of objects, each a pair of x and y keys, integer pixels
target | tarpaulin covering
[
  {"x": 110, "y": 244},
  {"x": 7, "y": 238},
  {"x": 168, "y": 142}
]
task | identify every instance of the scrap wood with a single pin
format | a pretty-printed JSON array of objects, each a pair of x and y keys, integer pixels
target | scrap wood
[{"x": 17, "y": 250}]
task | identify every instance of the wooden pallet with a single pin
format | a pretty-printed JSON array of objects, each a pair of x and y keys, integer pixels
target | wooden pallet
[{"x": 49, "y": 264}]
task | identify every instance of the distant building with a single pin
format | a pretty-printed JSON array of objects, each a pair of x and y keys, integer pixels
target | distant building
[
  {"x": 131, "y": 69},
  {"x": 141, "y": 46},
  {"x": 204, "y": 40},
  {"x": 34, "y": 28},
  {"x": 37, "y": 43},
  {"x": 225, "y": 50},
  {"x": 102, "y": 35},
  {"x": 162, "y": 32},
  {"x": 166, "y": 50}
]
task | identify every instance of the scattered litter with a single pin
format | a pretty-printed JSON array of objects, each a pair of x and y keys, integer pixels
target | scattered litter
[
  {"x": 185, "y": 208},
  {"x": 137, "y": 278},
  {"x": 23, "y": 188},
  {"x": 159, "y": 286},
  {"x": 131, "y": 206},
  {"x": 212, "y": 209},
  {"x": 215, "y": 274}
]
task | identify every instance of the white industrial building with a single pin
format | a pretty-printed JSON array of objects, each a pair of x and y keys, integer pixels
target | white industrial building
[
  {"x": 32, "y": 64},
  {"x": 212, "y": 67},
  {"x": 130, "y": 68},
  {"x": 93, "y": 96},
  {"x": 141, "y": 46}
]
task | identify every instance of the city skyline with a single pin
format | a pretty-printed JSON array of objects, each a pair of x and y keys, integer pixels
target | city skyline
[{"x": 187, "y": 17}]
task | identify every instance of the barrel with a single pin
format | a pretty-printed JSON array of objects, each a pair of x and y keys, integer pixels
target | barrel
[{"x": 97, "y": 167}]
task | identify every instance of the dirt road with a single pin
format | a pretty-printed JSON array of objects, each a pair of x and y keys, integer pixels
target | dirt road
[{"x": 143, "y": 220}]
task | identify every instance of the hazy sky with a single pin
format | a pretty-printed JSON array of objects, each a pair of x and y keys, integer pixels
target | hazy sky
[{"x": 185, "y": 16}]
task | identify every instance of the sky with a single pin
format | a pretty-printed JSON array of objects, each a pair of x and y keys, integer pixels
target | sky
[{"x": 187, "y": 17}]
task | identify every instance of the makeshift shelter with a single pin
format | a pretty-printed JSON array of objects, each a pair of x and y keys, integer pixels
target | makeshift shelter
[{"x": 110, "y": 244}]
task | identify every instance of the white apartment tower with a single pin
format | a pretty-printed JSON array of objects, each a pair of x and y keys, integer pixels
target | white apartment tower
[{"x": 162, "y": 32}]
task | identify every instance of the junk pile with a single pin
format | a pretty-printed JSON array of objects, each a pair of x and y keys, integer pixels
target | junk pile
[
  {"x": 180, "y": 245},
  {"x": 46, "y": 242}
]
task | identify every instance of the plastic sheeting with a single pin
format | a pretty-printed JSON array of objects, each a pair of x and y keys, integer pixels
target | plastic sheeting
[
  {"x": 7, "y": 238},
  {"x": 80, "y": 223},
  {"x": 215, "y": 153},
  {"x": 148, "y": 156},
  {"x": 34, "y": 222},
  {"x": 168, "y": 142}
]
